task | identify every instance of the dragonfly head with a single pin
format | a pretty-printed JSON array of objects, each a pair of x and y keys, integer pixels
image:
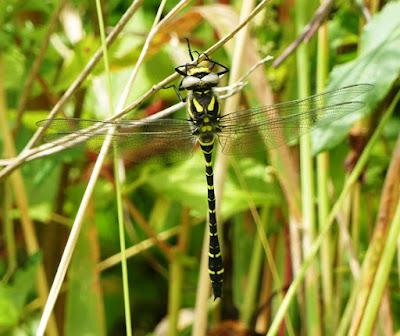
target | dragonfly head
[
  {"x": 200, "y": 75},
  {"x": 200, "y": 81}
]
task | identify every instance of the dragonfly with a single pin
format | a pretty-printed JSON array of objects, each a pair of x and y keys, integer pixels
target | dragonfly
[{"x": 237, "y": 132}]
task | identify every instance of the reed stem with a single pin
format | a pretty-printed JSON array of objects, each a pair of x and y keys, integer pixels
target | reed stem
[{"x": 312, "y": 309}]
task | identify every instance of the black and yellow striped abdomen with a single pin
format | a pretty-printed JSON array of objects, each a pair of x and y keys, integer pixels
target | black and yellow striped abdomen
[{"x": 215, "y": 266}]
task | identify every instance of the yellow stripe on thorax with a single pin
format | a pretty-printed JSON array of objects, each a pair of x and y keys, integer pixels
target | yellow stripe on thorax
[
  {"x": 189, "y": 110},
  {"x": 196, "y": 70},
  {"x": 197, "y": 105},
  {"x": 211, "y": 104}
]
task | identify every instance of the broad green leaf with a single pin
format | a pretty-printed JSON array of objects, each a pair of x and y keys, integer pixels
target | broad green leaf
[
  {"x": 184, "y": 183},
  {"x": 378, "y": 64}
]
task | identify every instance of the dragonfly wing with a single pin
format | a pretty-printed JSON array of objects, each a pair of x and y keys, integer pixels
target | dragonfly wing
[
  {"x": 283, "y": 123},
  {"x": 138, "y": 140}
]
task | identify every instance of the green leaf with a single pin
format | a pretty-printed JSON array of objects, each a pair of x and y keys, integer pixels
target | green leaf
[
  {"x": 82, "y": 53},
  {"x": 13, "y": 296},
  {"x": 159, "y": 213},
  {"x": 14, "y": 62},
  {"x": 22, "y": 283},
  {"x": 184, "y": 183},
  {"x": 9, "y": 312},
  {"x": 378, "y": 64}
]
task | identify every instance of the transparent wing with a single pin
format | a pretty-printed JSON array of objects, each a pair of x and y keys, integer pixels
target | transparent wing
[
  {"x": 283, "y": 123},
  {"x": 137, "y": 139}
]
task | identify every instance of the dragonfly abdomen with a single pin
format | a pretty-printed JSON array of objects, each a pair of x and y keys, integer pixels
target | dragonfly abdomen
[{"x": 215, "y": 267}]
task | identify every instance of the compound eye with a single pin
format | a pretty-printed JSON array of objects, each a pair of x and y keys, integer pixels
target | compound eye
[
  {"x": 211, "y": 78},
  {"x": 190, "y": 81}
]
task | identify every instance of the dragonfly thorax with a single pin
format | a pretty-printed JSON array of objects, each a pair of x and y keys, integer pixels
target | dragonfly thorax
[
  {"x": 203, "y": 111},
  {"x": 202, "y": 103}
]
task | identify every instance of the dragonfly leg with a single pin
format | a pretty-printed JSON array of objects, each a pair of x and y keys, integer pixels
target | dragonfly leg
[
  {"x": 178, "y": 94},
  {"x": 224, "y": 70},
  {"x": 182, "y": 70}
]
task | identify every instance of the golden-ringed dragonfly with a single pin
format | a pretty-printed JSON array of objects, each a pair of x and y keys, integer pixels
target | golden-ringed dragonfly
[{"x": 237, "y": 132}]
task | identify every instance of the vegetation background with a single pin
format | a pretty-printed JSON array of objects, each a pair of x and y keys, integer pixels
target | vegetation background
[{"x": 311, "y": 246}]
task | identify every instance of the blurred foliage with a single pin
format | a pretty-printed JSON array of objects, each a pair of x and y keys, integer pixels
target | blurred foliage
[
  {"x": 16, "y": 294},
  {"x": 359, "y": 52}
]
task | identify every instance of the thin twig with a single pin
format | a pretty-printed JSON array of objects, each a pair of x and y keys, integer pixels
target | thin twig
[
  {"x": 236, "y": 87},
  {"x": 309, "y": 30}
]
